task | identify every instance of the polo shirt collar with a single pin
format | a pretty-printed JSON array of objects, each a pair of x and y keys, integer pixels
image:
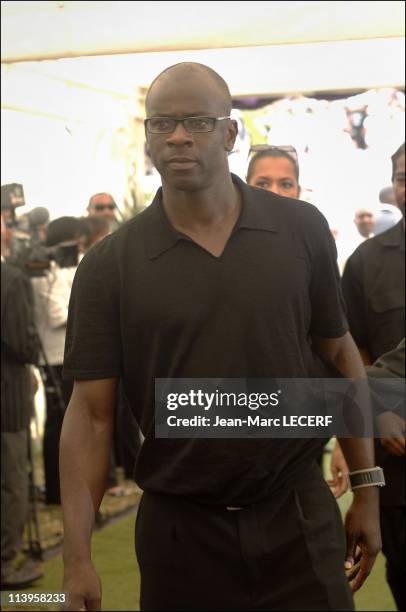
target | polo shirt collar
[
  {"x": 394, "y": 237},
  {"x": 255, "y": 214},
  {"x": 161, "y": 235},
  {"x": 258, "y": 211}
]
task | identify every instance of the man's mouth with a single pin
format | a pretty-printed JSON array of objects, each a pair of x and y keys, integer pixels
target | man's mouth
[{"x": 181, "y": 163}]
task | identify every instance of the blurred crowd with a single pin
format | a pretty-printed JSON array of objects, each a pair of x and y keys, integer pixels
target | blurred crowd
[{"x": 39, "y": 260}]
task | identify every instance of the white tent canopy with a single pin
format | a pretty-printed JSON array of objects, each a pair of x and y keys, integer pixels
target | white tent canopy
[
  {"x": 260, "y": 48},
  {"x": 49, "y": 30}
]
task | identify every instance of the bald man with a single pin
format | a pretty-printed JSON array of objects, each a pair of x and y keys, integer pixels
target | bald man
[
  {"x": 214, "y": 280},
  {"x": 364, "y": 220},
  {"x": 103, "y": 205}
]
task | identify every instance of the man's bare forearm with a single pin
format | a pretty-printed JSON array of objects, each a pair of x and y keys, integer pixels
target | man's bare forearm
[
  {"x": 85, "y": 452},
  {"x": 343, "y": 352},
  {"x": 358, "y": 452}
]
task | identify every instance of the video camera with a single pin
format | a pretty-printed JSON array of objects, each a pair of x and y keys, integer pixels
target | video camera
[
  {"x": 12, "y": 196},
  {"x": 27, "y": 250}
]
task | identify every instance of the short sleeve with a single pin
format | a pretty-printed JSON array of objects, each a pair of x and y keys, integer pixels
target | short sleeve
[
  {"x": 93, "y": 340},
  {"x": 328, "y": 310}
]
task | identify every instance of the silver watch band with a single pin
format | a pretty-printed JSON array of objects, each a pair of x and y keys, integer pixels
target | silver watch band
[{"x": 370, "y": 477}]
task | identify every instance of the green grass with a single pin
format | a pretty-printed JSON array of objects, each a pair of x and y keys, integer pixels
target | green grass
[
  {"x": 375, "y": 593},
  {"x": 114, "y": 559}
]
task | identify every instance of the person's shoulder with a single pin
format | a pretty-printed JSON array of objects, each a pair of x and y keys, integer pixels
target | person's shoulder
[
  {"x": 11, "y": 274},
  {"x": 392, "y": 236},
  {"x": 10, "y": 271},
  {"x": 142, "y": 220},
  {"x": 108, "y": 252},
  {"x": 15, "y": 281},
  {"x": 374, "y": 245}
]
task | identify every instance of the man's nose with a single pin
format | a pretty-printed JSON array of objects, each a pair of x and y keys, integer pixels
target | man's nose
[{"x": 180, "y": 135}]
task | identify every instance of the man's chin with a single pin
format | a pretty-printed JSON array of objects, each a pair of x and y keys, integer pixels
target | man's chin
[{"x": 184, "y": 183}]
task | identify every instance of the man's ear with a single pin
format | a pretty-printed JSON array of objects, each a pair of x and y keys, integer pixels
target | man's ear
[{"x": 231, "y": 135}]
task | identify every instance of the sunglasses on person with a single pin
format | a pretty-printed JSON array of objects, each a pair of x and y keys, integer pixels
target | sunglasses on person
[
  {"x": 285, "y": 148},
  {"x": 193, "y": 125},
  {"x": 100, "y": 207}
]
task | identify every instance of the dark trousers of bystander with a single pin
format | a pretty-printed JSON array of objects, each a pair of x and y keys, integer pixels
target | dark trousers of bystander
[
  {"x": 14, "y": 494},
  {"x": 285, "y": 553},
  {"x": 393, "y": 547}
]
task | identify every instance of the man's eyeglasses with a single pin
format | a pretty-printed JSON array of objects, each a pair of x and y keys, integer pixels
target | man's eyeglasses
[
  {"x": 285, "y": 148},
  {"x": 167, "y": 125},
  {"x": 100, "y": 207}
]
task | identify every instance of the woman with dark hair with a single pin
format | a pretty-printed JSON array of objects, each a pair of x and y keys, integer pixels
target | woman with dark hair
[{"x": 275, "y": 169}]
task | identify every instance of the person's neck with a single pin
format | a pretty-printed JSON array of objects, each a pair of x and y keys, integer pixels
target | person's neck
[{"x": 189, "y": 210}]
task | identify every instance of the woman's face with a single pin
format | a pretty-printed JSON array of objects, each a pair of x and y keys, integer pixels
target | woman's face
[{"x": 275, "y": 174}]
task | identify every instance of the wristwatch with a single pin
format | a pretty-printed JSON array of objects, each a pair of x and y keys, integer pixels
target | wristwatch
[{"x": 371, "y": 477}]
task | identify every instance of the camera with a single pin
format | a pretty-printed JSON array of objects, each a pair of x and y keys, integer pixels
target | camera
[
  {"x": 35, "y": 242},
  {"x": 27, "y": 250}
]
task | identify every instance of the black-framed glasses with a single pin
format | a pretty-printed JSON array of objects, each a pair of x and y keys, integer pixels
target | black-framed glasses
[
  {"x": 100, "y": 207},
  {"x": 285, "y": 148},
  {"x": 167, "y": 125}
]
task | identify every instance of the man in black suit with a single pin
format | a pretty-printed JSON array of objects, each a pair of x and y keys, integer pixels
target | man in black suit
[{"x": 19, "y": 348}]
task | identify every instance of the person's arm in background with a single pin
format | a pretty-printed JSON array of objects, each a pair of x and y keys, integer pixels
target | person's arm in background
[
  {"x": 352, "y": 287},
  {"x": 356, "y": 308},
  {"x": 362, "y": 519},
  {"x": 391, "y": 424},
  {"x": 85, "y": 449}
]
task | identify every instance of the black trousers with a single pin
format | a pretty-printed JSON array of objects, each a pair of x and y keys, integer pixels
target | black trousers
[
  {"x": 14, "y": 495},
  {"x": 393, "y": 547},
  {"x": 286, "y": 553}
]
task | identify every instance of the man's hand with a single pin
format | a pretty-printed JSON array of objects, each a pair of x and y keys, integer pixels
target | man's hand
[
  {"x": 339, "y": 471},
  {"x": 363, "y": 535},
  {"x": 82, "y": 587},
  {"x": 391, "y": 429}
]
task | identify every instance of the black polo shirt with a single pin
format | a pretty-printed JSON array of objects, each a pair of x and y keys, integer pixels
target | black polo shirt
[
  {"x": 149, "y": 302},
  {"x": 374, "y": 291}
]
